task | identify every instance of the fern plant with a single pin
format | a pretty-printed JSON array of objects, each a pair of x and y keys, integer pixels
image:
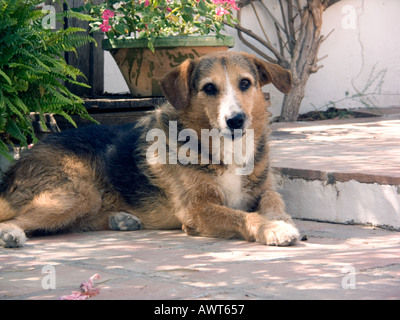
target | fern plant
[{"x": 33, "y": 70}]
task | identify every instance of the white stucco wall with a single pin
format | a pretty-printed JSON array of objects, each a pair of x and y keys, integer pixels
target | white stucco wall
[
  {"x": 114, "y": 82},
  {"x": 363, "y": 48}
]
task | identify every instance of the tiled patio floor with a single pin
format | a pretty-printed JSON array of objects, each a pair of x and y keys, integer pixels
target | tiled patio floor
[{"x": 335, "y": 262}]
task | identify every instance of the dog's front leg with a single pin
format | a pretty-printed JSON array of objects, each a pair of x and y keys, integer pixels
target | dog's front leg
[
  {"x": 219, "y": 221},
  {"x": 201, "y": 209},
  {"x": 214, "y": 220},
  {"x": 279, "y": 229}
]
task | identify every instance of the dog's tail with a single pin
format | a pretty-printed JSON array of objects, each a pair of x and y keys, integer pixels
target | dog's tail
[{"x": 6, "y": 212}]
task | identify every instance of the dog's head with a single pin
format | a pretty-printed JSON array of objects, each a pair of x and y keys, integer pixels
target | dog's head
[{"x": 222, "y": 90}]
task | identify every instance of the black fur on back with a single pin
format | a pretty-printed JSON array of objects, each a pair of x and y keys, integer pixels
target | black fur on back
[{"x": 117, "y": 154}]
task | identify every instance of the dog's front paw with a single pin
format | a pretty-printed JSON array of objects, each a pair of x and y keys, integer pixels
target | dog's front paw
[
  {"x": 190, "y": 231},
  {"x": 278, "y": 233},
  {"x": 11, "y": 236},
  {"x": 123, "y": 221}
]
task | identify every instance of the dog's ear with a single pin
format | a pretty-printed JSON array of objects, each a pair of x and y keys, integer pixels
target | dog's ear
[
  {"x": 175, "y": 85},
  {"x": 270, "y": 72}
]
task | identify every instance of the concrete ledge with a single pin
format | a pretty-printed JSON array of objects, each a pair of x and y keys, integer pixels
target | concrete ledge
[
  {"x": 341, "y": 198},
  {"x": 332, "y": 177}
]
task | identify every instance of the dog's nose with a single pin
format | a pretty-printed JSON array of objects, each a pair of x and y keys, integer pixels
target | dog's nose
[{"x": 237, "y": 121}]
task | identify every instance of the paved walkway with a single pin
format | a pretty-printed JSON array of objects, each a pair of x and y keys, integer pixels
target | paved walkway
[
  {"x": 366, "y": 148},
  {"x": 335, "y": 262}
]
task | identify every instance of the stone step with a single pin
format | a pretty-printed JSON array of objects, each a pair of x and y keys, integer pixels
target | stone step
[{"x": 343, "y": 171}]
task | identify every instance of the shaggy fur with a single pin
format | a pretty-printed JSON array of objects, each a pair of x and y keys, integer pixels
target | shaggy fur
[{"x": 101, "y": 177}]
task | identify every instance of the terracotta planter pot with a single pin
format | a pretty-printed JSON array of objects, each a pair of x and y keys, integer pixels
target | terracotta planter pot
[{"x": 142, "y": 69}]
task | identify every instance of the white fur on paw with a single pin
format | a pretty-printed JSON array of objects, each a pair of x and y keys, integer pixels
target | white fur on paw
[
  {"x": 12, "y": 238},
  {"x": 279, "y": 233}
]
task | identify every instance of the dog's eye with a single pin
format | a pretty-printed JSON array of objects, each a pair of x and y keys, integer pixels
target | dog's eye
[
  {"x": 210, "y": 89},
  {"x": 244, "y": 84}
]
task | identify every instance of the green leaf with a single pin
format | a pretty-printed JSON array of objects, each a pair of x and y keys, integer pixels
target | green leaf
[
  {"x": 4, "y": 151},
  {"x": 229, "y": 20},
  {"x": 187, "y": 17},
  {"x": 121, "y": 28},
  {"x": 150, "y": 44},
  {"x": 42, "y": 121},
  {"x": 21, "y": 105},
  {"x": 202, "y": 7},
  {"x": 2, "y": 102},
  {"x": 3, "y": 74},
  {"x": 33, "y": 69},
  {"x": 142, "y": 34},
  {"x": 77, "y": 15},
  {"x": 15, "y": 132},
  {"x": 8, "y": 88},
  {"x": 68, "y": 118}
]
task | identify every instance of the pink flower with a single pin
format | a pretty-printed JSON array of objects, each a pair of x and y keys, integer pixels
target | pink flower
[
  {"x": 219, "y": 11},
  {"x": 146, "y": 3},
  {"x": 105, "y": 27},
  {"x": 87, "y": 290},
  {"x": 87, "y": 287},
  {"x": 226, "y": 3},
  {"x": 233, "y": 4},
  {"x": 107, "y": 14},
  {"x": 75, "y": 295}
]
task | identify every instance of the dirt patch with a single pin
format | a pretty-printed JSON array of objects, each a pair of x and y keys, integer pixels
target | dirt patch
[{"x": 333, "y": 113}]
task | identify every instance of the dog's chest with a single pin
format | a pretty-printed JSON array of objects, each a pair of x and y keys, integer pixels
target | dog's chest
[{"x": 231, "y": 185}]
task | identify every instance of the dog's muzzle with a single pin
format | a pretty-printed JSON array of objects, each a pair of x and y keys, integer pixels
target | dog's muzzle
[
  {"x": 237, "y": 121},
  {"x": 235, "y": 126}
]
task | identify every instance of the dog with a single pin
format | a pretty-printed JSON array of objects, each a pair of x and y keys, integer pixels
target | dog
[{"x": 120, "y": 178}]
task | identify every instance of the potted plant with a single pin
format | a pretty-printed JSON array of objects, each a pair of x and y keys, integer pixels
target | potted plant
[
  {"x": 149, "y": 37},
  {"x": 33, "y": 70}
]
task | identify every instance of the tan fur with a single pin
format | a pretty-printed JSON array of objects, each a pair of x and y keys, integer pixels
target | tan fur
[
  {"x": 201, "y": 205},
  {"x": 57, "y": 191},
  {"x": 6, "y": 212}
]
